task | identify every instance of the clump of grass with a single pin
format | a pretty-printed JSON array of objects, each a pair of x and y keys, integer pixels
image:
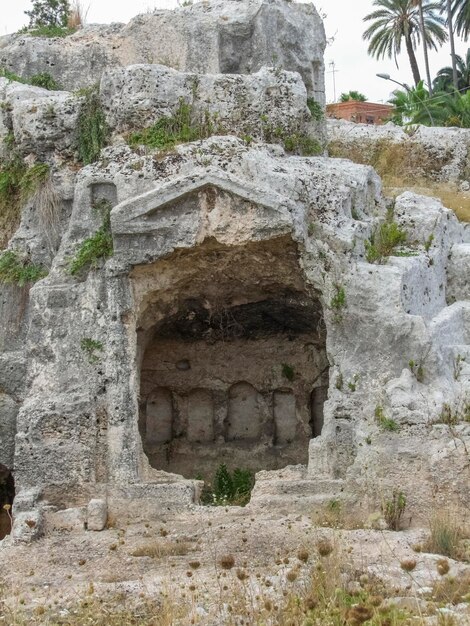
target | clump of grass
[
  {"x": 167, "y": 132},
  {"x": 49, "y": 31},
  {"x": 92, "y": 129},
  {"x": 386, "y": 423},
  {"x": 393, "y": 509},
  {"x": 32, "y": 179},
  {"x": 96, "y": 248},
  {"x": 161, "y": 549},
  {"x": 338, "y": 302},
  {"x": 77, "y": 16},
  {"x": 19, "y": 271},
  {"x": 383, "y": 242},
  {"x": 5, "y": 73},
  {"x": 452, "y": 590},
  {"x": 301, "y": 144},
  {"x": 44, "y": 80},
  {"x": 11, "y": 175},
  {"x": 445, "y": 537},
  {"x": 229, "y": 488},
  {"x": 316, "y": 110}
]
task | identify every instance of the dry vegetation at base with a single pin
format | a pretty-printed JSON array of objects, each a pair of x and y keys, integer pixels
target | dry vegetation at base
[
  {"x": 230, "y": 567},
  {"x": 406, "y": 167},
  {"x": 449, "y": 195}
]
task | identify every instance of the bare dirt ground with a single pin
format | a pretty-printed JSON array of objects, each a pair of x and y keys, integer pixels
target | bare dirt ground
[{"x": 217, "y": 566}]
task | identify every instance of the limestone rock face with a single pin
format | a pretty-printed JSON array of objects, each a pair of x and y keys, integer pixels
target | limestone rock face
[
  {"x": 234, "y": 307},
  {"x": 228, "y": 37},
  {"x": 136, "y": 96},
  {"x": 269, "y": 104},
  {"x": 428, "y": 153}
]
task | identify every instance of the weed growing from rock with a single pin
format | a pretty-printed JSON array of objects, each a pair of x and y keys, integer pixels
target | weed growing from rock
[
  {"x": 11, "y": 175},
  {"x": 95, "y": 249},
  {"x": 384, "y": 241},
  {"x": 316, "y": 110},
  {"x": 92, "y": 129},
  {"x": 17, "y": 271},
  {"x": 386, "y": 423},
  {"x": 338, "y": 302},
  {"x": 169, "y": 131},
  {"x": 44, "y": 80},
  {"x": 394, "y": 509},
  {"x": 445, "y": 537},
  {"x": 91, "y": 347}
]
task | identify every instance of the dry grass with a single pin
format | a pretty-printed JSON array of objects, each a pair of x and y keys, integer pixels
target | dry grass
[
  {"x": 406, "y": 167},
  {"x": 77, "y": 16},
  {"x": 452, "y": 590},
  {"x": 90, "y": 610},
  {"x": 48, "y": 205},
  {"x": 446, "y": 537},
  {"x": 447, "y": 193},
  {"x": 406, "y": 161},
  {"x": 160, "y": 549}
]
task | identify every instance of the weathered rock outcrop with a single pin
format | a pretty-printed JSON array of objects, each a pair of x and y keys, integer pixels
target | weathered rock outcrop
[
  {"x": 424, "y": 153},
  {"x": 205, "y": 38},
  {"x": 233, "y": 308}
]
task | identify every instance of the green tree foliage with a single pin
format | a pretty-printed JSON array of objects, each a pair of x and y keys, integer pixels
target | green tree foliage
[
  {"x": 353, "y": 95},
  {"x": 53, "y": 13},
  {"x": 444, "y": 78},
  {"x": 415, "y": 106},
  {"x": 397, "y": 21},
  {"x": 461, "y": 14}
]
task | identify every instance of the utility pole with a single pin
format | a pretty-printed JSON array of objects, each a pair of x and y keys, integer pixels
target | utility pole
[{"x": 334, "y": 71}]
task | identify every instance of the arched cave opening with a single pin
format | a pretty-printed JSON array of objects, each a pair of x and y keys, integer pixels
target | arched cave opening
[
  {"x": 233, "y": 365},
  {"x": 7, "y": 495}
]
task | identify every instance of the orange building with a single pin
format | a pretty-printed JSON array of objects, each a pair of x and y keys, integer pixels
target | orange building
[{"x": 360, "y": 112}]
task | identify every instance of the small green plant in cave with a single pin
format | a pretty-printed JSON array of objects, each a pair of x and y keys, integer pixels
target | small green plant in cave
[
  {"x": 15, "y": 270},
  {"x": 288, "y": 371},
  {"x": 386, "y": 423},
  {"x": 96, "y": 248},
  {"x": 92, "y": 129},
  {"x": 229, "y": 488},
  {"x": 90, "y": 347}
]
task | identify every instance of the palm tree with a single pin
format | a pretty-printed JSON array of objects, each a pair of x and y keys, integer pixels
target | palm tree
[
  {"x": 398, "y": 20},
  {"x": 461, "y": 12},
  {"x": 444, "y": 78},
  {"x": 419, "y": 4},
  {"x": 447, "y": 8}
]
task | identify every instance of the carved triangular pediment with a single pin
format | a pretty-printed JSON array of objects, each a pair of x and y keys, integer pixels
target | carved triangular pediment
[{"x": 184, "y": 211}]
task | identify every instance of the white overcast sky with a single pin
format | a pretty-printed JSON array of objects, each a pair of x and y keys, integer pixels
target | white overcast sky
[{"x": 355, "y": 69}]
